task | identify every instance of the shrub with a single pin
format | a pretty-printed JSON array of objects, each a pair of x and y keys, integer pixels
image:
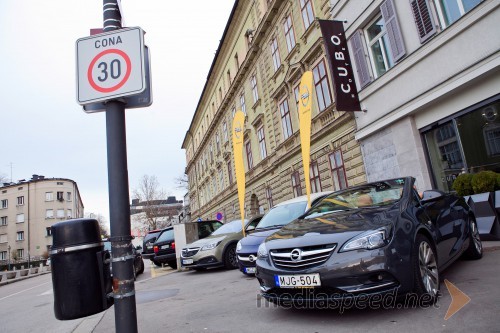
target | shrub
[
  {"x": 463, "y": 184},
  {"x": 484, "y": 181}
]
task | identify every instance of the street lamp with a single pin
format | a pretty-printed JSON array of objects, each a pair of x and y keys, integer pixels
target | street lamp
[{"x": 8, "y": 249}]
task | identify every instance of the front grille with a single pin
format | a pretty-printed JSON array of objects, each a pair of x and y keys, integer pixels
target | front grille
[
  {"x": 248, "y": 259},
  {"x": 189, "y": 252},
  {"x": 300, "y": 258}
]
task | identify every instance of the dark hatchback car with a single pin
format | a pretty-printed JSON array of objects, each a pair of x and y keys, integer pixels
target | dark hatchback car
[
  {"x": 148, "y": 241},
  {"x": 376, "y": 238},
  {"x": 164, "y": 248}
]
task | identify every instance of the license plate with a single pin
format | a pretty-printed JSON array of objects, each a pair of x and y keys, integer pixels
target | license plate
[
  {"x": 298, "y": 281},
  {"x": 165, "y": 246},
  {"x": 250, "y": 270},
  {"x": 187, "y": 261}
]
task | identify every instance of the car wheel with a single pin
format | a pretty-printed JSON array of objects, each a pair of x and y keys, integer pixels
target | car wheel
[
  {"x": 141, "y": 267},
  {"x": 156, "y": 263},
  {"x": 426, "y": 274},
  {"x": 230, "y": 258},
  {"x": 475, "y": 249},
  {"x": 172, "y": 264}
]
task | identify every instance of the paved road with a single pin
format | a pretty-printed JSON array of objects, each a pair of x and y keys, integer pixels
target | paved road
[{"x": 226, "y": 301}]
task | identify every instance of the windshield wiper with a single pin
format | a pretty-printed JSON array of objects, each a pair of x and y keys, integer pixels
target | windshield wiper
[{"x": 271, "y": 227}]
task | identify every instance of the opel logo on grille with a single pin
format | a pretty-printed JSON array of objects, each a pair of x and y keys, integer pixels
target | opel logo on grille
[
  {"x": 296, "y": 254},
  {"x": 251, "y": 258}
]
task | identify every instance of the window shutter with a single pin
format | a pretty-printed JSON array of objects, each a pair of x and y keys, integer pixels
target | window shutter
[
  {"x": 359, "y": 59},
  {"x": 393, "y": 30},
  {"x": 423, "y": 19}
]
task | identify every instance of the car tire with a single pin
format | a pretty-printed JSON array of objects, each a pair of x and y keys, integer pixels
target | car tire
[
  {"x": 172, "y": 264},
  {"x": 230, "y": 258},
  {"x": 141, "y": 267},
  {"x": 475, "y": 249},
  {"x": 156, "y": 262},
  {"x": 425, "y": 268}
]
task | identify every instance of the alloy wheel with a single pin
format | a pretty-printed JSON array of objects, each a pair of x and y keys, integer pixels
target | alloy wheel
[
  {"x": 232, "y": 257},
  {"x": 475, "y": 237},
  {"x": 428, "y": 268}
]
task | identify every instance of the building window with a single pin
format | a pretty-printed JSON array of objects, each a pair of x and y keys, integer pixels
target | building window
[
  {"x": 286, "y": 121},
  {"x": 236, "y": 61},
  {"x": 296, "y": 94},
  {"x": 211, "y": 153},
  {"x": 20, "y": 235},
  {"x": 297, "y": 189},
  {"x": 289, "y": 33},
  {"x": 60, "y": 196},
  {"x": 49, "y": 214},
  {"x": 229, "y": 79},
  {"x": 307, "y": 12},
  {"x": 451, "y": 10},
  {"x": 48, "y": 231},
  {"x": 3, "y": 255},
  {"x": 3, "y": 220},
  {"x": 20, "y": 253},
  {"x": 269, "y": 197},
  {"x": 338, "y": 170},
  {"x": 255, "y": 92},
  {"x": 49, "y": 196},
  {"x": 60, "y": 213},
  {"x": 233, "y": 111},
  {"x": 314, "y": 177},
  {"x": 229, "y": 172},
  {"x": 221, "y": 178},
  {"x": 20, "y": 201},
  {"x": 5, "y": 203},
  {"x": 68, "y": 196},
  {"x": 262, "y": 142},
  {"x": 242, "y": 102},
  {"x": 224, "y": 131},
  {"x": 423, "y": 19},
  {"x": 275, "y": 53},
  {"x": 248, "y": 149},
  {"x": 321, "y": 85},
  {"x": 378, "y": 46},
  {"x": 20, "y": 218}
]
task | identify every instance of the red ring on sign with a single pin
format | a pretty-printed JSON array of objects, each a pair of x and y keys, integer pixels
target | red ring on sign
[{"x": 119, "y": 84}]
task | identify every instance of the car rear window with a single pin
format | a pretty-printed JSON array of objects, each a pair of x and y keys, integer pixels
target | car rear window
[{"x": 166, "y": 235}]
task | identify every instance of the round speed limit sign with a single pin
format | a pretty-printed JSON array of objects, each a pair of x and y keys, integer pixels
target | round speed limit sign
[{"x": 110, "y": 65}]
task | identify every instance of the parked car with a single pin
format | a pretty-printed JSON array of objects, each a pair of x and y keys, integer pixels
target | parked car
[
  {"x": 273, "y": 220},
  {"x": 376, "y": 238},
  {"x": 138, "y": 261},
  {"x": 164, "y": 248},
  {"x": 219, "y": 249},
  {"x": 205, "y": 228}
]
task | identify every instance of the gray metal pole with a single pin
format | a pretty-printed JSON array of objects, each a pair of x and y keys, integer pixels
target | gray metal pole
[{"x": 119, "y": 209}]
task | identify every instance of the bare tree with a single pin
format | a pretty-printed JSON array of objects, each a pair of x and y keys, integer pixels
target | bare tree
[
  {"x": 3, "y": 178},
  {"x": 182, "y": 182},
  {"x": 149, "y": 212},
  {"x": 103, "y": 224}
]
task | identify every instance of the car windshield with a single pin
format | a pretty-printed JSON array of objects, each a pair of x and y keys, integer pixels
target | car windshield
[
  {"x": 282, "y": 214},
  {"x": 365, "y": 196},
  {"x": 230, "y": 227},
  {"x": 166, "y": 235}
]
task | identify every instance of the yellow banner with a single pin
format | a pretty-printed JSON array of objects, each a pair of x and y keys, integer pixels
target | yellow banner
[
  {"x": 305, "y": 110},
  {"x": 238, "y": 129}
]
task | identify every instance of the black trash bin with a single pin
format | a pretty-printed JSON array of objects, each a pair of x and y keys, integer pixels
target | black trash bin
[{"x": 81, "y": 274}]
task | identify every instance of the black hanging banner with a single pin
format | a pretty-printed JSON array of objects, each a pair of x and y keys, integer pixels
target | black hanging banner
[{"x": 344, "y": 86}]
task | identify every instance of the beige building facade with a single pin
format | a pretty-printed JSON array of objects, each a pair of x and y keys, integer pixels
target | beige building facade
[
  {"x": 29, "y": 208},
  {"x": 265, "y": 49}
]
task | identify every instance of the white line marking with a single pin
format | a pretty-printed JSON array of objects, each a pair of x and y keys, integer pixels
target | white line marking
[{"x": 20, "y": 292}]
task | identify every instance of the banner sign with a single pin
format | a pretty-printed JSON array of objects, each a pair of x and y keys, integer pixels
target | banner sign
[
  {"x": 305, "y": 110},
  {"x": 337, "y": 52},
  {"x": 238, "y": 129}
]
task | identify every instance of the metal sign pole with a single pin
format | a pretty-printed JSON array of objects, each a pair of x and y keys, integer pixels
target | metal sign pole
[{"x": 119, "y": 209}]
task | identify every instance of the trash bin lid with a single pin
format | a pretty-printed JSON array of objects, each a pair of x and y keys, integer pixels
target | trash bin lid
[{"x": 75, "y": 232}]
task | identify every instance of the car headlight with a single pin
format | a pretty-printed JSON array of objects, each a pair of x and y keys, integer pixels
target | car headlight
[
  {"x": 369, "y": 241},
  {"x": 262, "y": 251},
  {"x": 238, "y": 246},
  {"x": 210, "y": 246}
]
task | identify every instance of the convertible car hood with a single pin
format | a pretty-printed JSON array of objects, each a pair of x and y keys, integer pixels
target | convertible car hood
[
  {"x": 257, "y": 237},
  {"x": 336, "y": 227}
]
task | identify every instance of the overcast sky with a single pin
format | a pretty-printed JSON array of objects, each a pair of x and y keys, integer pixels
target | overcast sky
[{"x": 42, "y": 128}]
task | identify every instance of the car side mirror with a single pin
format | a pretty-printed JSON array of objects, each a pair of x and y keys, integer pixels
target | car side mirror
[
  {"x": 250, "y": 228},
  {"x": 432, "y": 195}
]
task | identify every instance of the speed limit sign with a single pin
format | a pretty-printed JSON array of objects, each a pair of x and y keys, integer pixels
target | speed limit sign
[{"x": 110, "y": 65}]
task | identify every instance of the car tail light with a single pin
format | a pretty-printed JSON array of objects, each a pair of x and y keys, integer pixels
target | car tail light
[
  {"x": 173, "y": 245},
  {"x": 155, "y": 249}
]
